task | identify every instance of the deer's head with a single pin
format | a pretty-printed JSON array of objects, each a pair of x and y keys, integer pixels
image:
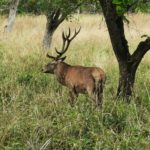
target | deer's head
[{"x": 50, "y": 67}]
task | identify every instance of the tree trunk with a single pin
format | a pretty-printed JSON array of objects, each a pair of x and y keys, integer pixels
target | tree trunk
[
  {"x": 12, "y": 15},
  {"x": 126, "y": 79},
  {"x": 128, "y": 63},
  {"x": 54, "y": 19},
  {"x": 47, "y": 40}
]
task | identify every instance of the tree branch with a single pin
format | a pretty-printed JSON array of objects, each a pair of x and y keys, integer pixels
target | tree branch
[
  {"x": 140, "y": 51},
  {"x": 57, "y": 14}
]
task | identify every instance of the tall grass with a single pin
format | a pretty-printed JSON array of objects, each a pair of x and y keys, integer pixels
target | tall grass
[{"x": 34, "y": 109}]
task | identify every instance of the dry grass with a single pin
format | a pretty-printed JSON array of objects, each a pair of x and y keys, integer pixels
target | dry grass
[{"x": 28, "y": 33}]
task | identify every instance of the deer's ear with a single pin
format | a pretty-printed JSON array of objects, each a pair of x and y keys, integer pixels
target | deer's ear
[{"x": 62, "y": 59}]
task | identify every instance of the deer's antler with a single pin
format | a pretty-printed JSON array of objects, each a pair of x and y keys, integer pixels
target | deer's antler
[{"x": 66, "y": 42}]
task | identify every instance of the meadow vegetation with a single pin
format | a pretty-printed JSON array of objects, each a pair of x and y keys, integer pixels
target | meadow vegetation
[{"x": 34, "y": 109}]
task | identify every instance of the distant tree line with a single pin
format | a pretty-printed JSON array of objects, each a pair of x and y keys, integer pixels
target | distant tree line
[
  {"x": 37, "y": 6},
  {"x": 88, "y": 6}
]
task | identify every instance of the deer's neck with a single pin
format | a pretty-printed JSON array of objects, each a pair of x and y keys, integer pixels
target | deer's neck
[{"x": 61, "y": 71}]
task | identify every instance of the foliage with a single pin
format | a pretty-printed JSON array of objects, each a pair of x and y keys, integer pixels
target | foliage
[
  {"x": 4, "y": 6},
  {"x": 143, "y": 7},
  {"x": 30, "y": 6},
  {"x": 123, "y": 6},
  {"x": 3, "y": 2},
  {"x": 90, "y": 6},
  {"x": 40, "y": 6}
]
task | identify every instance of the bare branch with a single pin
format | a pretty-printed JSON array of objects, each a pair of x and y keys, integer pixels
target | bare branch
[{"x": 57, "y": 14}]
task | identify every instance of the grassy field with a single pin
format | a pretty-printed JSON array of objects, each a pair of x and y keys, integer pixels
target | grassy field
[{"x": 34, "y": 110}]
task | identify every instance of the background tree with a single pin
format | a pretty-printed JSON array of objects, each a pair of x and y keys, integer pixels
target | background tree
[
  {"x": 128, "y": 63},
  {"x": 12, "y": 15},
  {"x": 56, "y": 12}
]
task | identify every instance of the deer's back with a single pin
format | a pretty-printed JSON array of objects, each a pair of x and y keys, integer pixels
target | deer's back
[{"x": 79, "y": 75}]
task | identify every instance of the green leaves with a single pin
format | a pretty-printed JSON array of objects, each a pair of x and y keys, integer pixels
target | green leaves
[
  {"x": 123, "y": 6},
  {"x": 120, "y": 6},
  {"x": 120, "y": 10},
  {"x": 117, "y": 2},
  {"x": 44, "y": 6}
]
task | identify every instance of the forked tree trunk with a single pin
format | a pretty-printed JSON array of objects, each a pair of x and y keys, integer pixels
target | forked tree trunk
[
  {"x": 12, "y": 15},
  {"x": 128, "y": 63},
  {"x": 47, "y": 40},
  {"x": 53, "y": 21}
]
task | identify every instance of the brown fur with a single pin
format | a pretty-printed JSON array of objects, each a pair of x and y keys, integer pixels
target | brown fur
[{"x": 79, "y": 79}]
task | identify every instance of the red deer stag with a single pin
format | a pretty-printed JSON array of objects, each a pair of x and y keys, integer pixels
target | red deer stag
[{"x": 78, "y": 79}]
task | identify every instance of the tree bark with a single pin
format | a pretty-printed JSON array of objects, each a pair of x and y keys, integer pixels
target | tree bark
[
  {"x": 47, "y": 40},
  {"x": 128, "y": 63},
  {"x": 12, "y": 15},
  {"x": 126, "y": 80},
  {"x": 53, "y": 21}
]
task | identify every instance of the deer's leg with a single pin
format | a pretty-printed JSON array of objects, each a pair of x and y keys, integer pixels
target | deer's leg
[
  {"x": 90, "y": 91},
  {"x": 95, "y": 92},
  {"x": 73, "y": 96},
  {"x": 99, "y": 99},
  {"x": 99, "y": 93}
]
